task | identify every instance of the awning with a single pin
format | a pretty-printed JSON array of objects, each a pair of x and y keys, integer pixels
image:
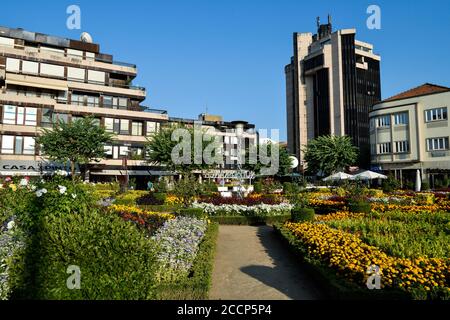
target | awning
[
  {"x": 131, "y": 173},
  {"x": 36, "y": 82}
]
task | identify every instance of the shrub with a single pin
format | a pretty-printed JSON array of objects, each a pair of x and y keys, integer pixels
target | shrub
[
  {"x": 193, "y": 213},
  {"x": 359, "y": 207},
  {"x": 258, "y": 187},
  {"x": 152, "y": 198},
  {"x": 130, "y": 197},
  {"x": 425, "y": 185},
  {"x": 300, "y": 214},
  {"x": 116, "y": 259},
  {"x": 160, "y": 186},
  {"x": 187, "y": 189},
  {"x": 390, "y": 184}
]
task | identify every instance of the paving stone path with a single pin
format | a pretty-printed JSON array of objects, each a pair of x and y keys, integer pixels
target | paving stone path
[{"x": 253, "y": 264}]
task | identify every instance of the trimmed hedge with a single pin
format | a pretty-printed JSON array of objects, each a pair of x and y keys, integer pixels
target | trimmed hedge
[
  {"x": 336, "y": 287},
  {"x": 193, "y": 213},
  {"x": 359, "y": 207},
  {"x": 116, "y": 260},
  {"x": 302, "y": 214},
  {"x": 197, "y": 285},
  {"x": 244, "y": 220}
]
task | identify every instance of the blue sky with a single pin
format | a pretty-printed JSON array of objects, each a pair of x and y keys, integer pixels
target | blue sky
[{"x": 230, "y": 55}]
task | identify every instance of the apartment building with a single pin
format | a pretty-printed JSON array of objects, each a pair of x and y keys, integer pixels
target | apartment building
[
  {"x": 331, "y": 82},
  {"x": 44, "y": 79},
  {"x": 410, "y": 131},
  {"x": 235, "y": 136}
]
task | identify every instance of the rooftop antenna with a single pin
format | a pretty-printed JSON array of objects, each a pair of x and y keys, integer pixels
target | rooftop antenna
[
  {"x": 318, "y": 22},
  {"x": 329, "y": 18}
]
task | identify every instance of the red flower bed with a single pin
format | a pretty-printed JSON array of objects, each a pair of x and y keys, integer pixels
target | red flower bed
[{"x": 249, "y": 201}]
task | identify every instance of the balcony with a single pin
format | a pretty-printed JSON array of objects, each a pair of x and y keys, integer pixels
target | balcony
[{"x": 35, "y": 54}]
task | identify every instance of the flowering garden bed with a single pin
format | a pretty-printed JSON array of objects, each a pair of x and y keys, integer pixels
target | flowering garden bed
[
  {"x": 123, "y": 252},
  {"x": 410, "y": 248}
]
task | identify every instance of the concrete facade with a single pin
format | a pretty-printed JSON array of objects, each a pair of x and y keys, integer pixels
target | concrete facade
[{"x": 412, "y": 133}]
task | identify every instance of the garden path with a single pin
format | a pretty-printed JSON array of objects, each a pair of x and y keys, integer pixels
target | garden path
[{"x": 253, "y": 264}]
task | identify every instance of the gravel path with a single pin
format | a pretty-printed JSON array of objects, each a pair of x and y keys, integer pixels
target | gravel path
[{"x": 253, "y": 264}]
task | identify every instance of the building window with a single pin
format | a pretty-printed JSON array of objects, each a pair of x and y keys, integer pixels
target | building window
[
  {"x": 12, "y": 65},
  {"x": 93, "y": 101},
  {"x": 17, "y": 145},
  {"x": 7, "y": 145},
  {"x": 384, "y": 148},
  {"x": 47, "y": 116},
  {"x": 152, "y": 127},
  {"x": 125, "y": 127},
  {"x": 116, "y": 152},
  {"x": 117, "y": 126},
  {"x": 19, "y": 115},
  {"x": 57, "y": 117},
  {"x": 434, "y": 144},
  {"x": 401, "y": 118},
  {"x": 401, "y": 146},
  {"x": 77, "y": 99},
  {"x": 384, "y": 121},
  {"x": 436, "y": 114},
  {"x": 52, "y": 70},
  {"x": 30, "y": 67},
  {"x": 136, "y": 128}
]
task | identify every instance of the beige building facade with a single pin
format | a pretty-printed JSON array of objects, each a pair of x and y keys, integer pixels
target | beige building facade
[
  {"x": 44, "y": 79},
  {"x": 331, "y": 82},
  {"x": 411, "y": 132}
]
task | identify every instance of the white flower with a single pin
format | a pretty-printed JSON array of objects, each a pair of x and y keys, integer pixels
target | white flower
[
  {"x": 40, "y": 192},
  {"x": 10, "y": 225},
  {"x": 74, "y": 195},
  {"x": 33, "y": 187},
  {"x": 62, "y": 173},
  {"x": 23, "y": 182},
  {"x": 62, "y": 189}
]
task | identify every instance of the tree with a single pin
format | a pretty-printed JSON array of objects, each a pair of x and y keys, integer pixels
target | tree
[
  {"x": 78, "y": 142},
  {"x": 159, "y": 148},
  {"x": 329, "y": 154},
  {"x": 284, "y": 160}
]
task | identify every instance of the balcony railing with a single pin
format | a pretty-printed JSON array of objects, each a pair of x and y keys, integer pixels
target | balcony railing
[
  {"x": 32, "y": 53},
  {"x": 111, "y": 84}
]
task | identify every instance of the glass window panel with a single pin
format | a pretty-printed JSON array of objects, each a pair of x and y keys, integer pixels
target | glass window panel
[
  {"x": 107, "y": 101},
  {"x": 109, "y": 124},
  {"x": 7, "y": 144},
  {"x": 28, "y": 145},
  {"x": 30, "y": 67},
  {"x": 124, "y": 126},
  {"x": 12, "y": 65},
  {"x": 20, "y": 115},
  {"x": 19, "y": 145},
  {"x": 31, "y": 116},
  {"x": 9, "y": 114},
  {"x": 123, "y": 151}
]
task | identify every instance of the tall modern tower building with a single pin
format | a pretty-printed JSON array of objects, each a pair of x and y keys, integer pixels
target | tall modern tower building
[{"x": 332, "y": 81}]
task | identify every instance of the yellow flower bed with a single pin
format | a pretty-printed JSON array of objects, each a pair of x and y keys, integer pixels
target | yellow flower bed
[
  {"x": 339, "y": 215},
  {"x": 378, "y": 207},
  {"x": 172, "y": 200},
  {"x": 351, "y": 257},
  {"x": 138, "y": 211}
]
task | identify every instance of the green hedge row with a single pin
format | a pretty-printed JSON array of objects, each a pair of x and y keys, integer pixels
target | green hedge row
[
  {"x": 336, "y": 287},
  {"x": 197, "y": 286},
  {"x": 242, "y": 220}
]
